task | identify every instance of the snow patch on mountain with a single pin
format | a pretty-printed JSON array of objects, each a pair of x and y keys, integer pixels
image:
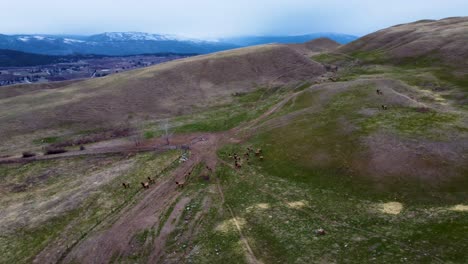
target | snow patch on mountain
[{"x": 71, "y": 41}]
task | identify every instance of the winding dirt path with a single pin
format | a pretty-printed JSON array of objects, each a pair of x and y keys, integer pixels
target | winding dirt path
[{"x": 112, "y": 238}]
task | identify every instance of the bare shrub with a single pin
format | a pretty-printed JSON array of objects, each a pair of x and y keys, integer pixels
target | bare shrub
[
  {"x": 28, "y": 154},
  {"x": 51, "y": 151}
]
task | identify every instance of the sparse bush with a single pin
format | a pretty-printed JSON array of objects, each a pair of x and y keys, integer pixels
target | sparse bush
[
  {"x": 105, "y": 135},
  {"x": 28, "y": 154},
  {"x": 51, "y": 151}
]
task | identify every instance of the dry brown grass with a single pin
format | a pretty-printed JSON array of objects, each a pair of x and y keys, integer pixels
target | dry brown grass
[
  {"x": 446, "y": 39},
  {"x": 167, "y": 89}
]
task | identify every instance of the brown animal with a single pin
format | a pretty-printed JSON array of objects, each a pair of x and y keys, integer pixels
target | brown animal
[
  {"x": 145, "y": 185},
  {"x": 379, "y": 92},
  {"x": 126, "y": 185},
  {"x": 384, "y": 107},
  {"x": 180, "y": 184},
  {"x": 320, "y": 232},
  {"x": 151, "y": 181}
]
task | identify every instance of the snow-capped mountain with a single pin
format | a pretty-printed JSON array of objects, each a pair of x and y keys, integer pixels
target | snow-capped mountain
[
  {"x": 110, "y": 43},
  {"x": 131, "y": 43}
]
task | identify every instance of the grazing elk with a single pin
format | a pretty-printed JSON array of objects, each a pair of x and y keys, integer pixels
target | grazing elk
[
  {"x": 384, "y": 107},
  {"x": 379, "y": 92},
  {"x": 151, "y": 181},
  {"x": 258, "y": 152},
  {"x": 145, "y": 185},
  {"x": 320, "y": 232},
  {"x": 180, "y": 184},
  {"x": 126, "y": 185}
]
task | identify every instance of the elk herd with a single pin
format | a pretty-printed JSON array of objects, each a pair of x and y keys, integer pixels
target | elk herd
[
  {"x": 247, "y": 155},
  {"x": 238, "y": 161}
]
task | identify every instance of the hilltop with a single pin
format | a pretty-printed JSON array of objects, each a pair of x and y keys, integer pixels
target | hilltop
[
  {"x": 307, "y": 153},
  {"x": 425, "y": 40}
]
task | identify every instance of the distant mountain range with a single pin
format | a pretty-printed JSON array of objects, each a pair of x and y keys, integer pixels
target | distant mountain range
[
  {"x": 258, "y": 40},
  {"x": 131, "y": 43}
]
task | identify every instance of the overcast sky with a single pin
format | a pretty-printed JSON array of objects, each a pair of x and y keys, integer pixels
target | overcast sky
[{"x": 218, "y": 18}]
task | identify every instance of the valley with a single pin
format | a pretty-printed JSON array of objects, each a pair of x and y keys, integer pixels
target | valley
[{"x": 64, "y": 68}]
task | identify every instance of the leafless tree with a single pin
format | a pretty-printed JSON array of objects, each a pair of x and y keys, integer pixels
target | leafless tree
[{"x": 165, "y": 126}]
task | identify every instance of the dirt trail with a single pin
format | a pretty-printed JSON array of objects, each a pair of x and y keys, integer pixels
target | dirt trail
[
  {"x": 166, "y": 230},
  {"x": 250, "y": 256},
  {"x": 103, "y": 245}
]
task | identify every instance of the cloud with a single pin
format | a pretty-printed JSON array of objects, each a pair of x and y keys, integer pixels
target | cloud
[{"x": 215, "y": 18}]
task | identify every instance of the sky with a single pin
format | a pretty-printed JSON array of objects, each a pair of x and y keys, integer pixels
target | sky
[{"x": 211, "y": 19}]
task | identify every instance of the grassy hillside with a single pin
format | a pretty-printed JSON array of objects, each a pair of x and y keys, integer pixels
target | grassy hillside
[
  {"x": 157, "y": 92},
  {"x": 365, "y": 162}
]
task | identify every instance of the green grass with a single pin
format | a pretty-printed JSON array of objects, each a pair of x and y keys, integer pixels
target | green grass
[
  {"x": 245, "y": 107},
  {"x": 356, "y": 231},
  {"x": 410, "y": 122},
  {"x": 47, "y": 140},
  {"x": 149, "y": 134},
  {"x": 23, "y": 244}
]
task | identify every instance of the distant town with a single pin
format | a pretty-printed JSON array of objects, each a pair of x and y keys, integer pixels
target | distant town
[{"x": 80, "y": 69}]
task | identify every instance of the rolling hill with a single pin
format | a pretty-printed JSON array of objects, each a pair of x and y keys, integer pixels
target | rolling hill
[
  {"x": 307, "y": 153},
  {"x": 258, "y": 40},
  {"x": 160, "y": 91},
  {"x": 428, "y": 40}
]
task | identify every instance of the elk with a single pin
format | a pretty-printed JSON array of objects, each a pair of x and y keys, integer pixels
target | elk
[
  {"x": 320, "y": 232},
  {"x": 151, "y": 181},
  {"x": 258, "y": 152},
  {"x": 261, "y": 157},
  {"x": 384, "y": 107},
  {"x": 379, "y": 92},
  {"x": 145, "y": 185},
  {"x": 180, "y": 184},
  {"x": 126, "y": 185}
]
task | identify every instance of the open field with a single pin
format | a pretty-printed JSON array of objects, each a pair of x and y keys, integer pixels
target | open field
[{"x": 341, "y": 158}]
